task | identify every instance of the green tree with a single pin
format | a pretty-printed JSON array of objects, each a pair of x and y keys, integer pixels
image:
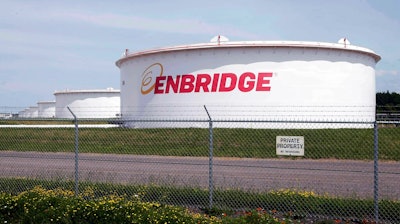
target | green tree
[{"x": 386, "y": 101}]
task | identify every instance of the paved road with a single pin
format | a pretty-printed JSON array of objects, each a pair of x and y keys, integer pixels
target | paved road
[{"x": 335, "y": 177}]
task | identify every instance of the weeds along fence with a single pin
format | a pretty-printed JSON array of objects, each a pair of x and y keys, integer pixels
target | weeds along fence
[{"x": 311, "y": 169}]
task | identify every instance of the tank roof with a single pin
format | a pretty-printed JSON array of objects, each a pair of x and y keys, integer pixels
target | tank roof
[
  {"x": 263, "y": 44},
  {"x": 46, "y": 102},
  {"x": 68, "y": 91}
]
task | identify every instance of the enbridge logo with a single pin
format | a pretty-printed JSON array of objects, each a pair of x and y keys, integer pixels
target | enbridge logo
[
  {"x": 155, "y": 70},
  {"x": 153, "y": 81}
]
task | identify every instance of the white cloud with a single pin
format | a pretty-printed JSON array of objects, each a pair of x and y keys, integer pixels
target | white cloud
[
  {"x": 140, "y": 23},
  {"x": 44, "y": 39},
  {"x": 387, "y": 72},
  {"x": 65, "y": 41}
]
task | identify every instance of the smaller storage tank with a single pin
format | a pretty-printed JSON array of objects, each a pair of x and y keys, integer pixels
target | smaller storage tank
[
  {"x": 22, "y": 113},
  {"x": 47, "y": 109},
  {"x": 32, "y": 112},
  {"x": 88, "y": 103}
]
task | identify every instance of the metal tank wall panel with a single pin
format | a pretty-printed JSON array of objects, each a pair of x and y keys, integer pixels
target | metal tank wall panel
[
  {"x": 88, "y": 103},
  {"x": 297, "y": 81},
  {"x": 47, "y": 109}
]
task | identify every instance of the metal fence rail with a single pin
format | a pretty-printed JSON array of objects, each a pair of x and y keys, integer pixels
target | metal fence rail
[{"x": 209, "y": 164}]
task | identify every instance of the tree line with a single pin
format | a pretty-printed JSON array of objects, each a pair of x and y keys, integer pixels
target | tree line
[{"x": 386, "y": 101}]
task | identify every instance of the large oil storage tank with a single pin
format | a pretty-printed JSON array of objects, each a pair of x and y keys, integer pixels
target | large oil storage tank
[
  {"x": 250, "y": 80},
  {"x": 46, "y": 109},
  {"x": 102, "y": 103}
]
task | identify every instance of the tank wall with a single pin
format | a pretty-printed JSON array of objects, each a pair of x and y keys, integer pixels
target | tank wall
[
  {"x": 23, "y": 113},
  {"x": 32, "y": 112},
  {"x": 87, "y": 105},
  {"x": 321, "y": 83},
  {"x": 46, "y": 109}
]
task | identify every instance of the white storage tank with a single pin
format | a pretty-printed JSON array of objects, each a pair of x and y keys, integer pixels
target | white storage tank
[
  {"x": 32, "y": 112},
  {"x": 22, "y": 113},
  {"x": 46, "y": 109},
  {"x": 88, "y": 103},
  {"x": 250, "y": 80}
]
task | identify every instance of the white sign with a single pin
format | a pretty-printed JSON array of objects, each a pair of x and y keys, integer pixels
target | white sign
[{"x": 290, "y": 145}]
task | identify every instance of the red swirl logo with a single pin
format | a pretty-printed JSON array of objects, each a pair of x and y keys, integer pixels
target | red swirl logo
[{"x": 149, "y": 74}]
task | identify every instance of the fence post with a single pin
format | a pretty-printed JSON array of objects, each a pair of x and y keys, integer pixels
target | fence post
[
  {"x": 76, "y": 152},
  {"x": 210, "y": 160},
  {"x": 376, "y": 188}
]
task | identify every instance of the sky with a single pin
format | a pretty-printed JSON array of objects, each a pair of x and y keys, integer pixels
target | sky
[{"x": 48, "y": 46}]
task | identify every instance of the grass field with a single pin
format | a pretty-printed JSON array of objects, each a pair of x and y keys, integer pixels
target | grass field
[
  {"x": 252, "y": 143},
  {"x": 355, "y": 144}
]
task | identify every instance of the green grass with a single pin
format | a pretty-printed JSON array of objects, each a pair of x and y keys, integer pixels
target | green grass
[
  {"x": 246, "y": 143},
  {"x": 250, "y": 143}
]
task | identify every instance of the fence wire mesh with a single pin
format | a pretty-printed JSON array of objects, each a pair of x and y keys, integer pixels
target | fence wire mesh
[{"x": 212, "y": 164}]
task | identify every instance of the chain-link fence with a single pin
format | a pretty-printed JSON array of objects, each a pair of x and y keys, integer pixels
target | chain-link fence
[{"x": 326, "y": 169}]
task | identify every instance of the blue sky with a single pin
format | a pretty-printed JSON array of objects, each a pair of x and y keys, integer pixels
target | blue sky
[{"x": 48, "y": 45}]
